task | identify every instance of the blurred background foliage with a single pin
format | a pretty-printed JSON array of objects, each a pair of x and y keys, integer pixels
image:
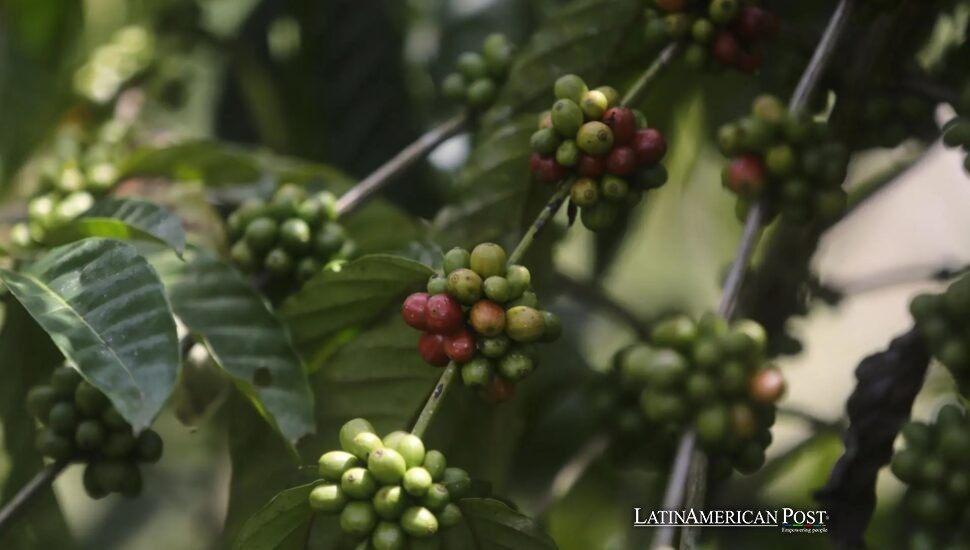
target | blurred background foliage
[{"x": 341, "y": 84}]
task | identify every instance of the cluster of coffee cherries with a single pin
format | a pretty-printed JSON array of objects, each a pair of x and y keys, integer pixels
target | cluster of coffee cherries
[
  {"x": 479, "y": 74},
  {"x": 608, "y": 150},
  {"x": 935, "y": 464},
  {"x": 957, "y": 134},
  {"x": 729, "y": 32},
  {"x": 294, "y": 233},
  {"x": 481, "y": 314},
  {"x": 787, "y": 161},
  {"x": 129, "y": 53},
  {"x": 81, "y": 425},
  {"x": 711, "y": 377},
  {"x": 80, "y": 168},
  {"x": 388, "y": 491},
  {"x": 944, "y": 322}
]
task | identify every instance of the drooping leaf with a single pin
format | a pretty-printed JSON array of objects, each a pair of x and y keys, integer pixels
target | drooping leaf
[
  {"x": 27, "y": 357},
  {"x": 125, "y": 219},
  {"x": 492, "y": 524},
  {"x": 105, "y": 308},
  {"x": 212, "y": 162},
  {"x": 336, "y": 301},
  {"x": 281, "y": 524},
  {"x": 243, "y": 337},
  {"x": 878, "y": 407}
]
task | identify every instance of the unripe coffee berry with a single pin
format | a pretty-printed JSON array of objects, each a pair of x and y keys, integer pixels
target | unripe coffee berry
[
  {"x": 333, "y": 464},
  {"x": 570, "y": 87},
  {"x": 410, "y": 447},
  {"x": 477, "y": 372},
  {"x": 516, "y": 366},
  {"x": 436, "y": 497},
  {"x": 595, "y": 138},
  {"x": 567, "y": 117},
  {"x": 358, "y": 483},
  {"x": 481, "y": 93},
  {"x": 351, "y": 429},
  {"x": 432, "y": 349},
  {"x": 568, "y": 153},
  {"x": 417, "y": 481},
  {"x": 519, "y": 279},
  {"x": 358, "y": 519},
  {"x": 456, "y": 258},
  {"x": 495, "y": 347},
  {"x": 415, "y": 310},
  {"x": 419, "y": 522},
  {"x": 584, "y": 192},
  {"x": 614, "y": 188},
  {"x": 524, "y": 324},
  {"x": 465, "y": 285},
  {"x": 364, "y": 444},
  {"x": 487, "y": 318},
  {"x": 497, "y": 289},
  {"x": 435, "y": 463},
  {"x": 460, "y": 346},
  {"x": 545, "y": 141},
  {"x": 489, "y": 260},
  {"x": 388, "y": 536},
  {"x": 594, "y": 105},
  {"x": 386, "y": 465},
  {"x": 437, "y": 285},
  {"x": 327, "y": 498},
  {"x": 390, "y": 502},
  {"x": 450, "y": 515}
]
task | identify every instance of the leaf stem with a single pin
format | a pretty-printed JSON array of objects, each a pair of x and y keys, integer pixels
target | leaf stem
[
  {"x": 29, "y": 490},
  {"x": 434, "y": 402},
  {"x": 553, "y": 206},
  {"x": 664, "y": 58},
  {"x": 400, "y": 162},
  {"x": 689, "y": 471}
]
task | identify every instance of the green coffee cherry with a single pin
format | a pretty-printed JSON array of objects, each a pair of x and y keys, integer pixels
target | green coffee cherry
[
  {"x": 612, "y": 96},
  {"x": 358, "y": 519},
  {"x": 64, "y": 381},
  {"x": 55, "y": 446},
  {"x": 386, "y": 465},
  {"x": 498, "y": 55},
  {"x": 90, "y": 435},
  {"x": 584, "y": 192},
  {"x": 488, "y": 260},
  {"x": 278, "y": 262},
  {"x": 388, "y": 536},
  {"x": 243, "y": 256},
  {"x": 567, "y": 154},
  {"x": 465, "y": 285},
  {"x": 457, "y": 481},
  {"x": 63, "y": 418},
  {"x": 553, "y": 327},
  {"x": 437, "y": 285},
  {"x": 516, "y": 366},
  {"x": 495, "y": 348},
  {"x": 119, "y": 444},
  {"x": 333, "y": 464},
  {"x": 364, "y": 444},
  {"x": 712, "y": 425},
  {"x": 307, "y": 268},
  {"x": 150, "y": 446},
  {"x": 595, "y": 138},
  {"x": 390, "y": 502},
  {"x": 545, "y": 141},
  {"x": 261, "y": 234},
  {"x": 497, "y": 289},
  {"x": 411, "y": 448},
  {"x": 477, "y": 372},
  {"x": 614, "y": 188},
  {"x": 327, "y": 498},
  {"x": 453, "y": 87},
  {"x": 519, "y": 279},
  {"x": 599, "y": 216},
  {"x": 449, "y": 516},
  {"x": 89, "y": 400},
  {"x": 471, "y": 65},
  {"x": 436, "y": 498},
  {"x": 435, "y": 464},
  {"x": 456, "y": 258},
  {"x": 567, "y": 117},
  {"x": 358, "y": 483},
  {"x": 329, "y": 240},
  {"x": 295, "y": 235},
  {"x": 351, "y": 429},
  {"x": 419, "y": 522},
  {"x": 481, "y": 93},
  {"x": 524, "y": 324},
  {"x": 570, "y": 87},
  {"x": 40, "y": 400},
  {"x": 417, "y": 481},
  {"x": 594, "y": 105},
  {"x": 395, "y": 437},
  {"x": 91, "y": 485}
]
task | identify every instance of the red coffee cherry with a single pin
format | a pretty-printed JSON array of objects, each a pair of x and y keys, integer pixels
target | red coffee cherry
[
  {"x": 460, "y": 346},
  {"x": 746, "y": 175},
  {"x": 649, "y": 146},
  {"x": 591, "y": 167},
  {"x": 767, "y": 386},
  {"x": 498, "y": 390},
  {"x": 753, "y": 24},
  {"x": 672, "y": 6},
  {"x": 535, "y": 161},
  {"x": 621, "y": 161},
  {"x": 444, "y": 314},
  {"x": 623, "y": 123},
  {"x": 550, "y": 171},
  {"x": 415, "y": 310},
  {"x": 432, "y": 349},
  {"x": 725, "y": 48},
  {"x": 749, "y": 61}
]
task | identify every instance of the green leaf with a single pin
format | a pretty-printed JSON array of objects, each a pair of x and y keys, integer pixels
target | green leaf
[
  {"x": 336, "y": 301},
  {"x": 212, "y": 162},
  {"x": 105, "y": 308},
  {"x": 124, "y": 219},
  {"x": 279, "y": 525},
  {"x": 27, "y": 357},
  {"x": 243, "y": 337},
  {"x": 494, "y": 525}
]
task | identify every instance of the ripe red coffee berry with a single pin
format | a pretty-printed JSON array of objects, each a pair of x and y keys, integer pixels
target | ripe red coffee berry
[
  {"x": 487, "y": 318},
  {"x": 672, "y": 6},
  {"x": 550, "y": 171},
  {"x": 649, "y": 146},
  {"x": 623, "y": 123},
  {"x": 415, "y": 310},
  {"x": 460, "y": 346},
  {"x": 749, "y": 61},
  {"x": 591, "y": 167},
  {"x": 444, "y": 314},
  {"x": 725, "y": 48},
  {"x": 746, "y": 175},
  {"x": 621, "y": 161},
  {"x": 535, "y": 160},
  {"x": 767, "y": 386},
  {"x": 752, "y": 24},
  {"x": 432, "y": 349},
  {"x": 498, "y": 390}
]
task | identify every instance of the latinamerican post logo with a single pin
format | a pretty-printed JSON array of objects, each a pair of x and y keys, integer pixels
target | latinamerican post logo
[{"x": 788, "y": 520}]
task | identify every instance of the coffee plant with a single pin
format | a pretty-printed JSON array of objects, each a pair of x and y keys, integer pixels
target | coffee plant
[{"x": 222, "y": 234}]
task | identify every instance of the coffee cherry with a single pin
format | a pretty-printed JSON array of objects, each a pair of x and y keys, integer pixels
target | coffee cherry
[
  {"x": 40, "y": 400},
  {"x": 329, "y": 240},
  {"x": 553, "y": 326},
  {"x": 278, "y": 262},
  {"x": 352, "y": 429},
  {"x": 672, "y": 6},
  {"x": 599, "y": 216},
  {"x": 767, "y": 386},
  {"x": 437, "y": 285},
  {"x": 261, "y": 234},
  {"x": 89, "y": 435},
  {"x": 436, "y": 497},
  {"x": 623, "y": 124},
  {"x": 649, "y": 146},
  {"x": 594, "y": 105},
  {"x": 753, "y": 24},
  {"x": 120, "y": 444},
  {"x": 460, "y": 346},
  {"x": 431, "y": 347},
  {"x": 584, "y": 192},
  {"x": 750, "y": 458},
  {"x": 471, "y": 66},
  {"x": 621, "y": 161},
  {"x": 519, "y": 279},
  {"x": 489, "y": 260},
  {"x": 549, "y": 171},
  {"x": 495, "y": 348},
  {"x": 524, "y": 324},
  {"x": 745, "y": 175},
  {"x": 358, "y": 483},
  {"x": 388, "y": 536},
  {"x": 516, "y": 366},
  {"x": 481, "y": 93},
  {"x": 91, "y": 486},
  {"x": 64, "y": 381},
  {"x": 712, "y": 425},
  {"x": 307, "y": 268},
  {"x": 570, "y": 87},
  {"x": 63, "y": 418},
  {"x": 567, "y": 117},
  {"x": 498, "y": 55},
  {"x": 364, "y": 444},
  {"x": 435, "y": 463},
  {"x": 545, "y": 141},
  {"x": 590, "y": 166},
  {"x": 449, "y": 516},
  {"x": 568, "y": 153},
  {"x": 457, "y": 481},
  {"x": 415, "y": 310},
  {"x": 498, "y": 390},
  {"x": 725, "y": 48},
  {"x": 333, "y": 464},
  {"x": 55, "y": 446},
  {"x": 595, "y": 138},
  {"x": 444, "y": 314},
  {"x": 89, "y": 400},
  {"x": 497, "y": 289},
  {"x": 723, "y": 11},
  {"x": 386, "y": 465},
  {"x": 614, "y": 188},
  {"x": 419, "y": 522},
  {"x": 358, "y": 519},
  {"x": 487, "y": 318},
  {"x": 417, "y": 481},
  {"x": 390, "y": 502},
  {"x": 410, "y": 447},
  {"x": 477, "y": 372},
  {"x": 295, "y": 235},
  {"x": 327, "y": 498}
]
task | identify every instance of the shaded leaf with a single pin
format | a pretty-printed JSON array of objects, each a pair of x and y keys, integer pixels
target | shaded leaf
[
  {"x": 281, "y": 524},
  {"x": 878, "y": 407},
  {"x": 105, "y": 308},
  {"x": 243, "y": 337},
  {"x": 494, "y": 525},
  {"x": 124, "y": 219},
  {"x": 211, "y": 162},
  {"x": 336, "y": 301}
]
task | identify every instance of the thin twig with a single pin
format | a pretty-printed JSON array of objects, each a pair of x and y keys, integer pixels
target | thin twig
[
  {"x": 373, "y": 183},
  {"x": 635, "y": 94},
  {"x": 434, "y": 402},
  {"x": 27, "y": 492},
  {"x": 572, "y": 471},
  {"x": 900, "y": 276},
  {"x": 688, "y": 473},
  {"x": 547, "y": 213}
]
